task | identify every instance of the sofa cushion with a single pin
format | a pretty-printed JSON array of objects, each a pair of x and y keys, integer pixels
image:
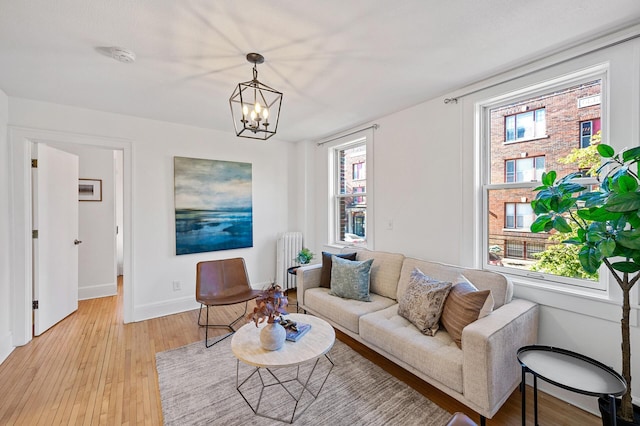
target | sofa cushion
[
  {"x": 501, "y": 287},
  {"x": 350, "y": 278},
  {"x": 345, "y": 312},
  {"x": 487, "y": 308},
  {"x": 385, "y": 271},
  {"x": 423, "y": 301},
  {"x": 437, "y": 357},
  {"x": 461, "y": 308},
  {"x": 325, "y": 277}
]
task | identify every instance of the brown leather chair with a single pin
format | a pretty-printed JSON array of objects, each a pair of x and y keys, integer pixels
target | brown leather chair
[{"x": 222, "y": 282}]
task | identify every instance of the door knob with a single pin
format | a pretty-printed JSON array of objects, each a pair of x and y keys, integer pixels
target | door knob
[{"x": 76, "y": 242}]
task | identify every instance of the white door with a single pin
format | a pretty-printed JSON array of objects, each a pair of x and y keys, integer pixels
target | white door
[{"x": 55, "y": 250}]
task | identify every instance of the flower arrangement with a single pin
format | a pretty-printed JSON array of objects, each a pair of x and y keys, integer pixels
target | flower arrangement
[
  {"x": 304, "y": 256},
  {"x": 269, "y": 305}
]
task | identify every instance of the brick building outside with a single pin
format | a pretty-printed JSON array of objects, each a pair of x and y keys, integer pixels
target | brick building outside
[
  {"x": 527, "y": 138},
  {"x": 353, "y": 180}
]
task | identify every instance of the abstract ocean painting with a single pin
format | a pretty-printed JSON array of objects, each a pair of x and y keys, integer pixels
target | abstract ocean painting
[{"x": 213, "y": 205}]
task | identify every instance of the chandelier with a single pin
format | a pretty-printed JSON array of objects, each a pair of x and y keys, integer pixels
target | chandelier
[{"x": 255, "y": 107}]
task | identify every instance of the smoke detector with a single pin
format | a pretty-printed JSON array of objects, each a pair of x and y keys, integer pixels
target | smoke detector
[{"x": 121, "y": 54}]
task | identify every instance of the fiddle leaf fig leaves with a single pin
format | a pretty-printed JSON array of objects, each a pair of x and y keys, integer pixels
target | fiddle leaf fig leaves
[{"x": 604, "y": 222}]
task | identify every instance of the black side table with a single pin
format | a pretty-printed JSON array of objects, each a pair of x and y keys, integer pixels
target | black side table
[
  {"x": 571, "y": 371},
  {"x": 293, "y": 271}
]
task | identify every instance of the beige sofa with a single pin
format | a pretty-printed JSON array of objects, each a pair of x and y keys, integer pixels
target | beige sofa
[{"x": 481, "y": 375}]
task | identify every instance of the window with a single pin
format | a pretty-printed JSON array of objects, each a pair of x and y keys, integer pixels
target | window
[
  {"x": 588, "y": 128},
  {"x": 350, "y": 210},
  {"x": 525, "y": 125},
  {"x": 551, "y": 119},
  {"x": 518, "y": 216},
  {"x": 524, "y": 169},
  {"x": 358, "y": 171}
]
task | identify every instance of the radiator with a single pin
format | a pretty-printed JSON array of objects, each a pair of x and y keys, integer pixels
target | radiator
[{"x": 288, "y": 247}]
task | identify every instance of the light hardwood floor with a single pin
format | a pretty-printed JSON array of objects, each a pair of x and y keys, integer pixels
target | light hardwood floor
[{"x": 92, "y": 369}]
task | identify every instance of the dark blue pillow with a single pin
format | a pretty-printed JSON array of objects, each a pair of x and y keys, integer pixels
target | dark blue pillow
[{"x": 325, "y": 275}]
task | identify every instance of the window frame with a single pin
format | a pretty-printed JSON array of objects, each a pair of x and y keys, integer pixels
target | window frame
[
  {"x": 363, "y": 138},
  {"x": 484, "y": 187}
]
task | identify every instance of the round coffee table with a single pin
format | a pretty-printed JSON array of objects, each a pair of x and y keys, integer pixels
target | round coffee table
[{"x": 294, "y": 371}]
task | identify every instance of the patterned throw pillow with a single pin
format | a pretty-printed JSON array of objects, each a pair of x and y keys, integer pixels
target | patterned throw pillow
[
  {"x": 462, "y": 308},
  {"x": 423, "y": 301},
  {"x": 325, "y": 274},
  {"x": 350, "y": 278}
]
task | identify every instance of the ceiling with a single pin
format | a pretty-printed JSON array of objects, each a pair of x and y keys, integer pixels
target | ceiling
[{"x": 339, "y": 63}]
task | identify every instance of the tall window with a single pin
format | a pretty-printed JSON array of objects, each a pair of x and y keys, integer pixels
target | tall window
[
  {"x": 350, "y": 216},
  {"x": 588, "y": 128},
  {"x": 359, "y": 171},
  {"x": 525, "y": 125},
  {"x": 546, "y": 123}
]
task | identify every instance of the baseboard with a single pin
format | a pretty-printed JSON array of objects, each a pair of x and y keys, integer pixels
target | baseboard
[
  {"x": 175, "y": 306},
  {"x": 95, "y": 291},
  {"x": 161, "y": 309},
  {"x": 261, "y": 286},
  {"x": 6, "y": 346}
]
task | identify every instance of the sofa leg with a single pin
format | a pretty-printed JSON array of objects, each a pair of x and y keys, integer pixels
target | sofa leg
[{"x": 483, "y": 421}]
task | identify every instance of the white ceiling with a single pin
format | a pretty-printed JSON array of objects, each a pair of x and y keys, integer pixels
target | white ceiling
[{"x": 339, "y": 63}]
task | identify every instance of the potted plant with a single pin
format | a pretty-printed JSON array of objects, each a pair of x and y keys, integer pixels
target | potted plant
[
  {"x": 608, "y": 232},
  {"x": 304, "y": 256},
  {"x": 270, "y": 304}
]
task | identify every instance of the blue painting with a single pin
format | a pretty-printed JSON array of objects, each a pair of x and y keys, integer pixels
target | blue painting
[{"x": 213, "y": 205}]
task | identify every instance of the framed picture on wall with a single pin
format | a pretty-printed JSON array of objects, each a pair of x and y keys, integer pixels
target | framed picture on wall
[
  {"x": 213, "y": 205},
  {"x": 90, "y": 190}
]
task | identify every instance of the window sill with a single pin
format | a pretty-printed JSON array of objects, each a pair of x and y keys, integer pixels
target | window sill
[
  {"x": 527, "y": 230},
  {"x": 525, "y": 140},
  {"x": 591, "y": 302}
]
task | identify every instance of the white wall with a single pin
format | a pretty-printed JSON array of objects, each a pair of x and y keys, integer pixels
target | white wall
[
  {"x": 6, "y": 344},
  {"x": 155, "y": 265},
  {"x": 426, "y": 183}
]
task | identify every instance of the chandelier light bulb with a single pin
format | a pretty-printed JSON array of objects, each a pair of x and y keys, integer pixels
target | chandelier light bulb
[
  {"x": 265, "y": 113},
  {"x": 258, "y": 107},
  {"x": 245, "y": 110},
  {"x": 253, "y": 115}
]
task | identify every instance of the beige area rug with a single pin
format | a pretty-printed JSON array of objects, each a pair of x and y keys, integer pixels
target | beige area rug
[{"x": 198, "y": 387}]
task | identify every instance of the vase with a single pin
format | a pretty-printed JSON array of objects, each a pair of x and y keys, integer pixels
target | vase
[
  {"x": 272, "y": 336},
  {"x": 603, "y": 404}
]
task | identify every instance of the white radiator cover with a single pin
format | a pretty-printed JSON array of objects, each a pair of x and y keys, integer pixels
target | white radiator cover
[{"x": 288, "y": 246}]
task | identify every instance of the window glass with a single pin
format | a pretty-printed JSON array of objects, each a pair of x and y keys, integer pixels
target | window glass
[
  {"x": 525, "y": 125},
  {"x": 547, "y": 127},
  {"x": 350, "y": 211}
]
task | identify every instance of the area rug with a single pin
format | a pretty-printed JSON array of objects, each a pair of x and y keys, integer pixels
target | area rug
[{"x": 198, "y": 387}]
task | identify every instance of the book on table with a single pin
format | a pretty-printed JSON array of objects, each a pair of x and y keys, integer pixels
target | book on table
[{"x": 301, "y": 330}]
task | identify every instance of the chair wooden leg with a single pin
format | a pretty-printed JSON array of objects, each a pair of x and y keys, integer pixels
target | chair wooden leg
[{"x": 229, "y": 326}]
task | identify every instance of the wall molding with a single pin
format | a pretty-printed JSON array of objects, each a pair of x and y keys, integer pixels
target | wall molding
[
  {"x": 164, "y": 308},
  {"x": 6, "y": 346},
  {"x": 96, "y": 291}
]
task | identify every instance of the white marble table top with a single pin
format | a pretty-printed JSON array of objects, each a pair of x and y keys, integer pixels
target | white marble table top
[{"x": 245, "y": 344}]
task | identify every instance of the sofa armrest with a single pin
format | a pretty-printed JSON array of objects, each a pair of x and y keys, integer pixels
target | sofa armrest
[
  {"x": 489, "y": 345},
  {"x": 307, "y": 277}
]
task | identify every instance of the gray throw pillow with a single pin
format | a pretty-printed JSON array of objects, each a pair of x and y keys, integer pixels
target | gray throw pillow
[
  {"x": 423, "y": 301},
  {"x": 350, "y": 278}
]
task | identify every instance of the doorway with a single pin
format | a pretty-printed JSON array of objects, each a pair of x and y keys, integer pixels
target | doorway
[{"x": 20, "y": 141}]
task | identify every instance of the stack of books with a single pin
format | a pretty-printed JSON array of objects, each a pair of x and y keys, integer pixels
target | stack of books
[{"x": 295, "y": 333}]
